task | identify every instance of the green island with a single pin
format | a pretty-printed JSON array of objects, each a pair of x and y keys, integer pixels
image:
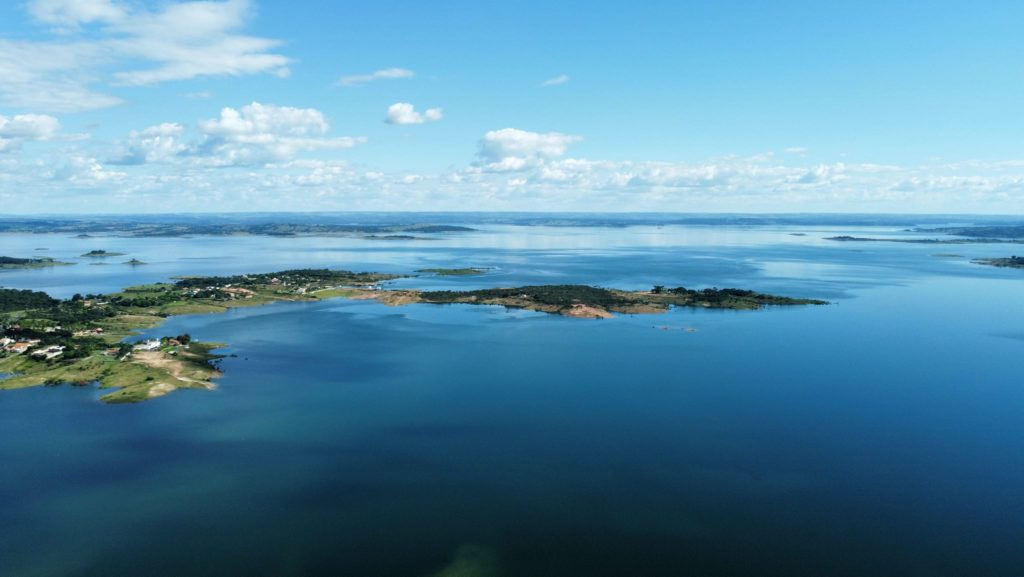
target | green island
[
  {"x": 85, "y": 339},
  {"x": 134, "y": 262},
  {"x": 101, "y": 254},
  {"x": 469, "y": 271},
  {"x": 1008, "y": 262},
  {"x": 10, "y": 262}
]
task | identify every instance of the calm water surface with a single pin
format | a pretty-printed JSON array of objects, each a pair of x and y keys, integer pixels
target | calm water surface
[{"x": 879, "y": 435}]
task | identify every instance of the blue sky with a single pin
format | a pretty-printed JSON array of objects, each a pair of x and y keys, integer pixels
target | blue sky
[{"x": 130, "y": 106}]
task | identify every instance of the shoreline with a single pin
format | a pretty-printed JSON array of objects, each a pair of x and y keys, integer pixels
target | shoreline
[{"x": 49, "y": 355}]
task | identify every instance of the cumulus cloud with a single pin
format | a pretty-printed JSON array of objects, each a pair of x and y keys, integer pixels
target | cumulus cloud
[
  {"x": 254, "y": 135},
  {"x": 85, "y": 170},
  {"x": 17, "y": 129},
  {"x": 282, "y": 160},
  {"x": 383, "y": 74},
  {"x": 511, "y": 149},
  {"x": 175, "y": 41},
  {"x": 405, "y": 113},
  {"x": 261, "y": 133},
  {"x": 154, "y": 144},
  {"x": 560, "y": 79}
]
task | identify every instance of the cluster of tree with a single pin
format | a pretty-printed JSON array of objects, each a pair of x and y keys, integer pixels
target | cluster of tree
[
  {"x": 292, "y": 277},
  {"x": 727, "y": 296},
  {"x": 68, "y": 314},
  {"x": 17, "y": 300},
  {"x": 554, "y": 295},
  {"x": 145, "y": 299},
  {"x": 13, "y": 260}
]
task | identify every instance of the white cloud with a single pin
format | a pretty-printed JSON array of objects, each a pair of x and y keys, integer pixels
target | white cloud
[
  {"x": 154, "y": 144},
  {"x": 262, "y": 133},
  {"x": 405, "y": 113},
  {"x": 51, "y": 76},
  {"x": 17, "y": 129},
  {"x": 176, "y": 41},
  {"x": 85, "y": 170},
  {"x": 384, "y": 74},
  {"x": 560, "y": 79},
  {"x": 72, "y": 13},
  {"x": 194, "y": 39},
  {"x": 283, "y": 161},
  {"x": 511, "y": 149},
  {"x": 254, "y": 135}
]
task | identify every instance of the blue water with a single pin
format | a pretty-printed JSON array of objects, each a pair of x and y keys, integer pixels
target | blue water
[{"x": 879, "y": 435}]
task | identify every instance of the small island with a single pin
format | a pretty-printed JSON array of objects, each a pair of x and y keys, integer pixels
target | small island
[
  {"x": 470, "y": 271},
  {"x": 1009, "y": 262},
  {"x": 101, "y": 254},
  {"x": 86, "y": 339},
  {"x": 10, "y": 262},
  {"x": 134, "y": 262}
]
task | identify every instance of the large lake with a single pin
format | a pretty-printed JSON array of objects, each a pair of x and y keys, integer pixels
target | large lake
[{"x": 880, "y": 435}]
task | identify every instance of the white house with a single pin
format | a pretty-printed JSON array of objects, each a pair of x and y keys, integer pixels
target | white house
[{"x": 150, "y": 345}]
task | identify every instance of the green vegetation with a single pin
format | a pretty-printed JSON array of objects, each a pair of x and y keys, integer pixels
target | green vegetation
[
  {"x": 582, "y": 300},
  {"x": 17, "y": 263},
  {"x": 453, "y": 271},
  {"x": 1009, "y": 262},
  {"x": 101, "y": 254},
  {"x": 16, "y": 300}
]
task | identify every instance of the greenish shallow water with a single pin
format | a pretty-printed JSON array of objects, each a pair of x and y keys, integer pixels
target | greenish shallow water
[{"x": 880, "y": 435}]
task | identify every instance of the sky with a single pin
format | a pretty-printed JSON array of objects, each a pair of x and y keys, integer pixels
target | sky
[{"x": 131, "y": 106}]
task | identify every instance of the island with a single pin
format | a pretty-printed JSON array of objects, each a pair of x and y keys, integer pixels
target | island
[
  {"x": 10, "y": 262},
  {"x": 101, "y": 254},
  {"x": 470, "y": 271},
  {"x": 965, "y": 240},
  {"x": 1008, "y": 262},
  {"x": 998, "y": 232},
  {"x": 88, "y": 338},
  {"x": 134, "y": 262}
]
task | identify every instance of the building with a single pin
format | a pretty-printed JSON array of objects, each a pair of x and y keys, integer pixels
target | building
[
  {"x": 150, "y": 345},
  {"x": 49, "y": 352}
]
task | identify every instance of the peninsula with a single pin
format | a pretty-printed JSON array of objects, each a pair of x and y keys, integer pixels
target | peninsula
[{"x": 86, "y": 339}]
